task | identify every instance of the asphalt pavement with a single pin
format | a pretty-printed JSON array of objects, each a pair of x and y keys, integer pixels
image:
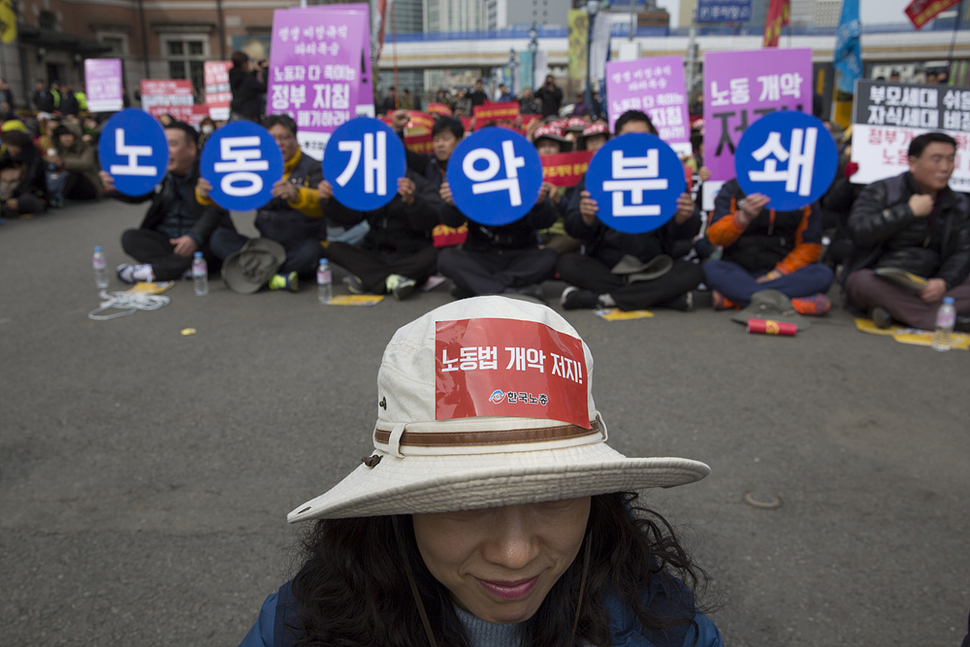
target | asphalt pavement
[{"x": 145, "y": 475}]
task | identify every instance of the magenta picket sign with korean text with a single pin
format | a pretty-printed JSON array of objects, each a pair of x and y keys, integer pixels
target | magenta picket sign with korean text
[
  {"x": 655, "y": 86},
  {"x": 315, "y": 70},
  {"x": 740, "y": 87}
]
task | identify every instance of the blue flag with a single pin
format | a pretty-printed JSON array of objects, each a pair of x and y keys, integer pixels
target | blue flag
[{"x": 848, "y": 52}]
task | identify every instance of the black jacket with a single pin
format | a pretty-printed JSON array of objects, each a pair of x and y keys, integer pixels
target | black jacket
[
  {"x": 247, "y": 93},
  {"x": 33, "y": 178},
  {"x": 288, "y": 226},
  {"x": 520, "y": 234},
  {"x": 551, "y": 100},
  {"x": 207, "y": 218},
  {"x": 609, "y": 245},
  {"x": 887, "y": 234},
  {"x": 43, "y": 100},
  {"x": 395, "y": 227}
]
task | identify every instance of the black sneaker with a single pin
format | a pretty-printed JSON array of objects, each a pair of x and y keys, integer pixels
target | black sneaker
[
  {"x": 534, "y": 290},
  {"x": 400, "y": 286},
  {"x": 459, "y": 292},
  {"x": 684, "y": 302},
  {"x": 354, "y": 284},
  {"x": 574, "y": 298},
  {"x": 881, "y": 317}
]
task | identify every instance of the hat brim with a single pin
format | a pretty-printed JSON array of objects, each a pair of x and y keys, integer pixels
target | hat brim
[
  {"x": 239, "y": 281},
  {"x": 424, "y": 484}
]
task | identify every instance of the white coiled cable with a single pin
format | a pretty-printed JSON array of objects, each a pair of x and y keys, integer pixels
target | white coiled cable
[{"x": 128, "y": 302}]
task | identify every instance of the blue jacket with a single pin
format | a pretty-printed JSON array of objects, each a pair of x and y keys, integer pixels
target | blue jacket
[{"x": 627, "y": 632}]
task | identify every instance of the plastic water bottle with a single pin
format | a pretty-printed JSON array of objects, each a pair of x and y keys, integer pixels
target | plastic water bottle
[
  {"x": 324, "y": 282},
  {"x": 100, "y": 264},
  {"x": 200, "y": 275},
  {"x": 946, "y": 317}
]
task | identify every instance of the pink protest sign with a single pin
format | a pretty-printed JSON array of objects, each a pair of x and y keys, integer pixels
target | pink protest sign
[
  {"x": 655, "y": 86},
  {"x": 192, "y": 115},
  {"x": 315, "y": 71},
  {"x": 218, "y": 96},
  {"x": 161, "y": 93},
  {"x": 102, "y": 84},
  {"x": 360, "y": 14},
  {"x": 740, "y": 87}
]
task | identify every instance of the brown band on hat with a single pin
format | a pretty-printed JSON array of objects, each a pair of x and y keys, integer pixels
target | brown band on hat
[{"x": 473, "y": 438}]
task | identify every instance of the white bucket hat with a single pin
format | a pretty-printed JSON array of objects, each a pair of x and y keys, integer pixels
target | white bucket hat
[{"x": 488, "y": 402}]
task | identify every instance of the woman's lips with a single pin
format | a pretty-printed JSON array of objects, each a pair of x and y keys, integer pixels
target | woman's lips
[{"x": 509, "y": 590}]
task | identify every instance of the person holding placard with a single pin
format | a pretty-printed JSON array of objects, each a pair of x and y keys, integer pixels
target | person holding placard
[
  {"x": 446, "y": 133},
  {"x": 176, "y": 224},
  {"x": 912, "y": 236},
  {"x": 629, "y": 271},
  {"x": 498, "y": 258},
  {"x": 766, "y": 249},
  {"x": 293, "y": 218},
  {"x": 397, "y": 254}
]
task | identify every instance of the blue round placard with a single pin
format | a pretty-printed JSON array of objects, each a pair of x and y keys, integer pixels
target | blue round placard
[
  {"x": 788, "y": 156},
  {"x": 133, "y": 150},
  {"x": 635, "y": 179},
  {"x": 363, "y": 161},
  {"x": 242, "y": 162},
  {"x": 495, "y": 176}
]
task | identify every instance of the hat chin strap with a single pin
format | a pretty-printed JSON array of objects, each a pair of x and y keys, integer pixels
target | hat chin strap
[
  {"x": 582, "y": 583},
  {"x": 414, "y": 585}
]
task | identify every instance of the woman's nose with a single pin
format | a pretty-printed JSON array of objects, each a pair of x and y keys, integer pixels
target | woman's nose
[{"x": 512, "y": 542}]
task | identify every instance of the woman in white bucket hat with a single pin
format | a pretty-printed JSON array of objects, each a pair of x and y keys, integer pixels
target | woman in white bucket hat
[{"x": 491, "y": 511}]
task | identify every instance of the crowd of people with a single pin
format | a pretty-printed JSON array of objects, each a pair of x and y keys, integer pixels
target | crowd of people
[{"x": 896, "y": 247}]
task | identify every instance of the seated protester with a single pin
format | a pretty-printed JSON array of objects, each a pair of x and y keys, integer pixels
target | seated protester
[
  {"x": 766, "y": 249},
  {"x": 92, "y": 131},
  {"x": 496, "y": 259},
  {"x": 912, "y": 223},
  {"x": 836, "y": 209},
  {"x": 605, "y": 273},
  {"x": 446, "y": 133},
  {"x": 293, "y": 218},
  {"x": 176, "y": 224},
  {"x": 397, "y": 254},
  {"x": 79, "y": 161},
  {"x": 593, "y": 137},
  {"x": 549, "y": 140},
  {"x": 29, "y": 194}
]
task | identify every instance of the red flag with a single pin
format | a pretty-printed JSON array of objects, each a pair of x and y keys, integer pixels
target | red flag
[
  {"x": 779, "y": 15},
  {"x": 921, "y": 12}
]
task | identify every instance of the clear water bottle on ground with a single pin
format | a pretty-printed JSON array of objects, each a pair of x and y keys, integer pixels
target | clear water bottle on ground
[
  {"x": 324, "y": 282},
  {"x": 100, "y": 264},
  {"x": 946, "y": 317},
  {"x": 200, "y": 275}
]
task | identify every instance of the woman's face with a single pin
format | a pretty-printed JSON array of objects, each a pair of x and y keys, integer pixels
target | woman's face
[
  {"x": 595, "y": 142},
  {"x": 500, "y": 563},
  {"x": 546, "y": 146}
]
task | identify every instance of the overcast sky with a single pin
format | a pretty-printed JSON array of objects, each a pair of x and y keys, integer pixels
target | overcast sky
[{"x": 874, "y": 12}]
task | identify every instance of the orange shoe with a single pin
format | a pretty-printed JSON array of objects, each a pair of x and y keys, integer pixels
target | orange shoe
[
  {"x": 817, "y": 304},
  {"x": 721, "y": 302}
]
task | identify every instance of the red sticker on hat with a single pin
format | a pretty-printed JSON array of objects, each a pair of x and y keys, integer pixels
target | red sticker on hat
[{"x": 506, "y": 367}]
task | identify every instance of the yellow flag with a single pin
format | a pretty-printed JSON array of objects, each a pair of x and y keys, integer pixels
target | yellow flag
[{"x": 8, "y": 22}]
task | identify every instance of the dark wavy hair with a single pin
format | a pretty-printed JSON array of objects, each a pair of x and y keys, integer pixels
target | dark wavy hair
[{"x": 353, "y": 589}]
